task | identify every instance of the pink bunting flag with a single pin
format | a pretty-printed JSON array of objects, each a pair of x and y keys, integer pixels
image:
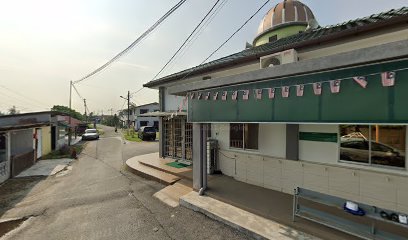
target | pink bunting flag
[
  {"x": 199, "y": 96},
  {"x": 285, "y": 91},
  {"x": 317, "y": 88},
  {"x": 192, "y": 95},
  {"x": 362, "y": 81},
  {"x": 207, "y": 96},
  {"x": 215, "y": 97},
  {"x": 245, "y": 95},
  {"x": 258, "y": 94},
  {"x": 224, "y": 95},
  {"x": 388, "y": 79},
  {"x": 335, "y": 86},
  {"x": 234, "y": 95},
  {"x": 271, "y": 93},
  {"x": 299, "y": 90}
]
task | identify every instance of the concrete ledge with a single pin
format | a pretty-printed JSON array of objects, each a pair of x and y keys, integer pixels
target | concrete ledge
[
  {"x": 137, "y": 168},
  {"x": 246, "y": 222}
]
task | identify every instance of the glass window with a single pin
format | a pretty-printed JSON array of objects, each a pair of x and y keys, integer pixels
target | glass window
[
  {"x": 244, "y": 136},
  {"x": 373, "y": 144}
]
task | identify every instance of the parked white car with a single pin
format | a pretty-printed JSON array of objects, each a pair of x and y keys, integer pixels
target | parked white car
[{"x": 90, "y": 134}]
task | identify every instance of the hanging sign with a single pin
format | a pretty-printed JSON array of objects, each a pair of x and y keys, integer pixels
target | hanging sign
[
  {"x": 299, "y": 90},
  {"x": 271, "y": 93},
  {"x": 245, "y": 95},
  {"x": 258, "y": 94},
  {"x": 317, "y": 88},
  {"x": 224, "y": 95},
  {"x": 234, "y": 95},
  {"x": 215, "y": 96},
  {"x": 388, "y": 79},
  {"x": 285, "y": 91},
  {"x": 362, "y": 81},
  {"x": 335, "y": 86}
]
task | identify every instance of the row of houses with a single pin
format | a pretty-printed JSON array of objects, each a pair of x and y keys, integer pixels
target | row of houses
[
  {"x": 140, "y": 116},
  {"x": 25, "y": 138},
  {"x": 322, "y": 108}
]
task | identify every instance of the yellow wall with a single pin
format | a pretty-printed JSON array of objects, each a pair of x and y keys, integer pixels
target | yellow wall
[{"x": 46, "y": 140}]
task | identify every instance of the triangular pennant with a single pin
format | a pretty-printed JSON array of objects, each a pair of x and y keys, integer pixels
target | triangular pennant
[
  {"x": 271, "y": 93},
  {"x": 299, "y": 90},
  {"x": 285, "y": 91},
  {"x": 192, "y": 95},
  {"x": 362, "y": 81},
  {"x": 258, "y": 94},
  {"x": 224, "y": 95},
  {"x": 234, "y": 95},
  {"x": 388, "y": 79},
  {"x": 317, "y": 88},
  {"x": 335, "y": 86},
  {"x": 215, "y": 96},
  {"x": 199, "y": 96},
  {"x": 245, "y": 95}
]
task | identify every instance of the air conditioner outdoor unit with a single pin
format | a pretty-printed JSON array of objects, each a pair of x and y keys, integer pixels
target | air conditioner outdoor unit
[
  {"x": 212, "y": 156},
  {"x": 288, "y": 56}
]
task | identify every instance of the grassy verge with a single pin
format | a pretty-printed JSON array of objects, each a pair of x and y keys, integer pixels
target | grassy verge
[
  {"x": 64, "y": 152},
  {"x": 131, "y": 135}
]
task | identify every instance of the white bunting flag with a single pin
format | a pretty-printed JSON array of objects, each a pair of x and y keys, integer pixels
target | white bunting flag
[
  {"x": 234, "y": 95},
  {"x": 207, "y": 96},
  {"x": 258, "y": 94},
  {"x": 192, "y": 95},
  {"x": 299, "y": 90},
  {"x": 362, "y": 81},
  {"x": 199, "y": 96},
  {"x": 215, "y": 97},
  {"x": 335, "y": 86},
  {"x": 285, "y": 91},
  {"x": 317, "y": 88},
  {"x": 224, "y": 95},
  {"x": 388, "y": 79},
  {"x": 245, "y": 95},
  {"x": 271, "y": 93}
]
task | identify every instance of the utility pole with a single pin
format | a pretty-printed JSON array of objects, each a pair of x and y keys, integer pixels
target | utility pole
[
  {"x": 69, "y": 120},
  {"x": 86, "y": 118},
  {"x": 128, "y": 99}
]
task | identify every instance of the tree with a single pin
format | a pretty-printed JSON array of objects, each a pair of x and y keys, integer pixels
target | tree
[
  {"x": 68, "y": 111},
  {"x": 13, "y": 110}
]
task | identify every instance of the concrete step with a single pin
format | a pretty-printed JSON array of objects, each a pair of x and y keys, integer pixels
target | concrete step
[
  {"x": 170, "y": 195},
  {"x": 150, "y": 173},
  {"x": 160, "y": 164}
]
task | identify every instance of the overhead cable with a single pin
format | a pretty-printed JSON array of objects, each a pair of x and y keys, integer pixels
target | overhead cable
[
  {"x": 188, "y": 38},
  {"x": 133, "y": 44}
]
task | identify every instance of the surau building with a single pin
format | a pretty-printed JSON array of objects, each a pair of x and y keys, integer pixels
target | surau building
[{"x": 322, "y": 108}]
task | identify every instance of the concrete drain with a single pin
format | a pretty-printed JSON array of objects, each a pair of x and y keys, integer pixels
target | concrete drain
[{"x": 10, "y": 224}]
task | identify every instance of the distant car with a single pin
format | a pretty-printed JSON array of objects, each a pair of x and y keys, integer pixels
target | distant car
[
  {"x": 90, "y": 134},
  {"x": 147, "y": 133}
]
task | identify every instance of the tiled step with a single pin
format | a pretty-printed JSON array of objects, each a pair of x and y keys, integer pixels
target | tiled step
[{"x": 151, "y": 173}]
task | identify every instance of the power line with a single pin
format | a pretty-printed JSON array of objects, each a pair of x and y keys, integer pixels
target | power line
[
  {"x": 21, "y": 95},
  {"x": 134, "y": 43},
  {"x": 188, "y": 38},
  {"x": 222, "y": 45}
]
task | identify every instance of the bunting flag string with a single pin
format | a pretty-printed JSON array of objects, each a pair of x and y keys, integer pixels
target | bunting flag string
[{"x": 388, "y": 79}]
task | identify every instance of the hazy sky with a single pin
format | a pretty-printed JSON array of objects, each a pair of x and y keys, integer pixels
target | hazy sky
[{"x": 46, "y": 43}]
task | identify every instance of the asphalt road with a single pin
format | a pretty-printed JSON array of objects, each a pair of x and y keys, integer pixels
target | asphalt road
[{"x": 97, "y": 199}]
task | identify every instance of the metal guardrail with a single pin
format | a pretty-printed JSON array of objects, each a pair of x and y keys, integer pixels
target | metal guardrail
[{"x": 367, "y": 229}]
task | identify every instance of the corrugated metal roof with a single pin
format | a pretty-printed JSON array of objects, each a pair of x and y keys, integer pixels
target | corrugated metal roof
[{"x": 321, "y": 33}]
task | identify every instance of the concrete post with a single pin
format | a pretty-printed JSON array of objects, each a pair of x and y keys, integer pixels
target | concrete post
[
  {"x": 292, "y": 141},
  {"x": 197, "y": 157}
]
